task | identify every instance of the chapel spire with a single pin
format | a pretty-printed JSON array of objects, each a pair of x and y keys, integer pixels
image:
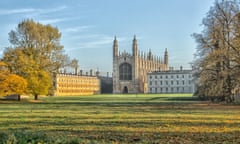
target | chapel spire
[
  {"x": 135, "y": 47},
  {"x": 115, "y": 47},
  {"x": 166, "y": 57}
]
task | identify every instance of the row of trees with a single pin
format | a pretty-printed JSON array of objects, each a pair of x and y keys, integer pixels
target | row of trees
[
  {"x": 33, "y": 59},
  {"x": 218, "y": 53}
]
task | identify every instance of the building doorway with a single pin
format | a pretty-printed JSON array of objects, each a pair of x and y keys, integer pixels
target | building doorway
[{"x": 125, "y": 90}]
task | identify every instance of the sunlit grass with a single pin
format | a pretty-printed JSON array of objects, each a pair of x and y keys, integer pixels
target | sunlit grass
[{"x": 120, "y": 119}]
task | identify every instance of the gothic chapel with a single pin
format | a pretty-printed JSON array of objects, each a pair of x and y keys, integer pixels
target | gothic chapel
[{"x": 130, "y": 70}]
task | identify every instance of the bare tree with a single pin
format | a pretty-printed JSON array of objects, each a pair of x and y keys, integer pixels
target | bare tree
[{"x": 218, "y": 51}]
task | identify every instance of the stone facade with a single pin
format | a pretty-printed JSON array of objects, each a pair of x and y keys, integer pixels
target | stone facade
[
  {"x": 76, "y": 85},
  {"x": 130, "y": 70},
  {"x": 171, "y": 81}
]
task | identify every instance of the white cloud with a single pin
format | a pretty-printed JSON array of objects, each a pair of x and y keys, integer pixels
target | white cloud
[
  {"x": 52, "y": 10},
  {"x": 31, "y": 11},
  {"x": 52, "y": 21},
  {"x": 94, "y": 44},
  {"x": 44, "y": 15},
  {"x": 16, "y": 11},
  {"x": 77, "y": 29},
  {"x": 91, "y": 41}
]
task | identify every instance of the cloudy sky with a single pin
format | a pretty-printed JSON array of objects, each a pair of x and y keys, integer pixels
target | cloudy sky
[{"x": 88, "y": 27}]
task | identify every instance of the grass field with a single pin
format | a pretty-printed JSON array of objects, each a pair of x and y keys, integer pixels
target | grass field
[{"x": 118, "y": 119}]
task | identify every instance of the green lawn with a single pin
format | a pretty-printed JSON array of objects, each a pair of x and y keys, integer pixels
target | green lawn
[{"x": 135, "y": 118}]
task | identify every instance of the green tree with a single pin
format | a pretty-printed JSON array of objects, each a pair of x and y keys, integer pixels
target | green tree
[
  {"x": 218, "y": 52},
  {"x": 39, "y": 83}
]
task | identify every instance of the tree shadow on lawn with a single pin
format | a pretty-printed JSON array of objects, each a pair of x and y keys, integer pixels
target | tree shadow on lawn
[{"x": 190, "y": 99}]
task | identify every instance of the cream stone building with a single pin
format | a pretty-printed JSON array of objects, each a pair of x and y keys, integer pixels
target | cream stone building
[
  {"x": 75, "y": 85},
  {"x": 171, "y": 81},
  {"x": 130, "y": 70}
]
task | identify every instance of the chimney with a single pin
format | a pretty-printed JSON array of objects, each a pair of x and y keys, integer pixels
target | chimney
[
  {"x": 91, "y": 72},
  {"x": 81, "y": 72},
  {"x": 97, "y": 73}
]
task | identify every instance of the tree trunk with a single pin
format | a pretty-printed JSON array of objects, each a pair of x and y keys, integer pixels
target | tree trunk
[
  {"x": 19, "y": 97},
  {"x": 35, "y": 97}
]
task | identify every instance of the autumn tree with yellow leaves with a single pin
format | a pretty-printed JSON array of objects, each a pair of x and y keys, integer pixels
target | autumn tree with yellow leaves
[
  {"x": 11, "y": 83},
  {"x": 35, "y": 54}
]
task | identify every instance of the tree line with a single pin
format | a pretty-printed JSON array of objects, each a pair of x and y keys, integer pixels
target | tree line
[
  {"x": 33, "y": 59},
  {"x": 217, "y": 63}
]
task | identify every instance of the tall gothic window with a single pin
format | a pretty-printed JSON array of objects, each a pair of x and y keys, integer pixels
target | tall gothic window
[{"x": 125, "y": 72}]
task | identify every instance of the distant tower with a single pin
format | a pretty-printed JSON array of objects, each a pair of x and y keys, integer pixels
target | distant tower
[
  {"x": 135, "y": 47},
  {"x": 115, "y": 64},
  {"x": 150, "y": 55},
  {"x": 135, "y": 64},
  {"x": 115, "y": 47},
  {"x": 166, "y": 57}
]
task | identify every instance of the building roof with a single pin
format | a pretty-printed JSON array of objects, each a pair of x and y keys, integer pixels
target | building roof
[{"x": 171, "y": 72}]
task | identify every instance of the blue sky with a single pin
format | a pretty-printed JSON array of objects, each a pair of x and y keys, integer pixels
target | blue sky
[{"x": 88, "y": 27}]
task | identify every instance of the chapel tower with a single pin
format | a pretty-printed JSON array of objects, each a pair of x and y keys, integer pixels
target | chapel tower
[
  {"x": 135, "y": 63},
  {"x": 130, "y": 69},
  {"x": 115, "y": 47}
]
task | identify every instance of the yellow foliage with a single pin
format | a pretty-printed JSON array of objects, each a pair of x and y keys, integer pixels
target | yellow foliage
[
  {"x": 12, "y": 84},
  {"x": 39, "y": 82}
]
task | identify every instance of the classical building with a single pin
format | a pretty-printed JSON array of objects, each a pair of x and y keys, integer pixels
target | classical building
[
  {"x": 171, "y": 81},
  {"x": 130, "y": 70},
  {"x": 75, "y": 85}
]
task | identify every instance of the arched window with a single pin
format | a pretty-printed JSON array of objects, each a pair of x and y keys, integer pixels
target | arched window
[{"x": 125, "y": 72}]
